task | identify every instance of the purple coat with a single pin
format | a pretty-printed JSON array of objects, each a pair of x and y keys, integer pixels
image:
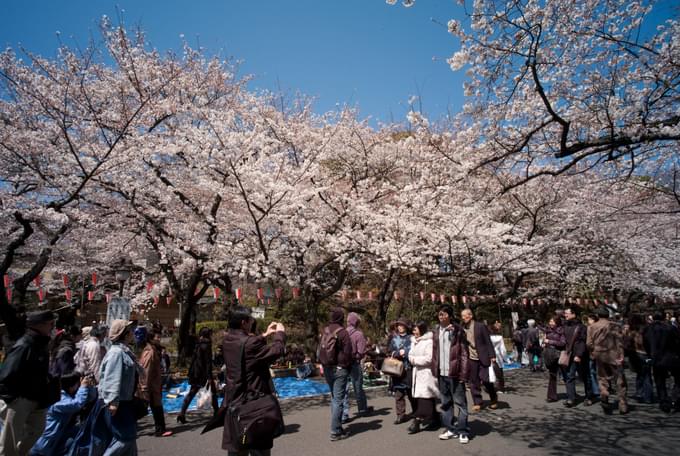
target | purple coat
[{"x": 459, "y": 358}]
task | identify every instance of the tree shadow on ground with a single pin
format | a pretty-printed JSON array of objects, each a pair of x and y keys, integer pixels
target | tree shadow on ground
[{"x": 586, "y": 430}]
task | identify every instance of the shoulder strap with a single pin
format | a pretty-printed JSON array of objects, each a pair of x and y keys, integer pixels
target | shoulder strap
[{"x": 570, "y": 346}]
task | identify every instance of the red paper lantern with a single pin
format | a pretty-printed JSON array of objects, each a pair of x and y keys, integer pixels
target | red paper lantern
[
  {"x": 6, "y": 280},
  {"x": 396, "y": 296},
  {"x": 216, "y": 293},
  {"x": 260, "y": 294},
  {"x": 442, "y": 298},
  {"x": 94, "y": 278},
  {"x": 433, "y": 297},
  {"x": 343, "y": 293},
  {"x": 422, "y": 296},
  {"x": 9, "y": 295},
  {"x": 90, "y": 295},
  {"x": 108, "y": 297},
  {"x": 464, "y": 299},
  {"x": 36, "y": 281},
  {"x": 370, "y": 296},
  {"x": 278, "y": 292},
  {"x": 525, "y": 302},
  {"x": 358, "y": 295},
  {"x": 64, "y": 278},
  {"x": 239, "y": 293},
  {"x": 168, "y": 300},
  {"x": 149, "y": 286},
  {"x": 454, "y": 299},
  {"x": 41, "y": 295},
  {"x": 296, "y": 292},
  {"x": 68, "y": 295},
  {"x": 157, "y": 299}
]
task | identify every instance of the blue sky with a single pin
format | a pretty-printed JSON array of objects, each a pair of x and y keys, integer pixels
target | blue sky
[{"x": 364, "y": 53}]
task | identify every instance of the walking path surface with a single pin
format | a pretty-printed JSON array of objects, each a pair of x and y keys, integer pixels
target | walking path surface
[{"x": 523, "y": 424}]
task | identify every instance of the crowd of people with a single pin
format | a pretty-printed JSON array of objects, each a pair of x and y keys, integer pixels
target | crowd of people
[
  {"x": 597, "y": 354},
  {"x": 87, "y": 388}
]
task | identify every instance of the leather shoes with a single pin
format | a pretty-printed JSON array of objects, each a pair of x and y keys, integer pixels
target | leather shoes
[
  {"x": 568, "y": 404},
  {"x": 400, "y": 420}
]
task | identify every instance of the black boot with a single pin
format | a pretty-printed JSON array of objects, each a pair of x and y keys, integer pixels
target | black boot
[
  {"x": 606, "y": 407},
  {"x": 414, "y": 427}
]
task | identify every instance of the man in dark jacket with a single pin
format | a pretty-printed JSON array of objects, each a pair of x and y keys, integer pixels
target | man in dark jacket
[
  {"x": 575, "y": 333},
  {"x": 257, "y": 357},
  {"x": 450, "y": 364},
  {"x": 662, "y": 344},
  {"x": 26, "y": 388},
  {"x": 482, "y": 355},
  {"x": 336, "y": 370}
]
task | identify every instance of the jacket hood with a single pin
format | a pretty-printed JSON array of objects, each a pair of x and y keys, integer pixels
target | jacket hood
[
  {"x": 427, "y": 336},
  {"x": 353, "y": 319},
  {"x": 337, "y": 316}
]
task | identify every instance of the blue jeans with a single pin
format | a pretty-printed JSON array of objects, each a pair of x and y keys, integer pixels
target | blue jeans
[
  {"x": 336, "y": 377},
  {"x": 583, "y": 371},
  {"x": 357, "y": 380},
  {"x": 124, "y": 430},
  {"x": 452, "y": 392},
  {"x": 593, "y": 378}
]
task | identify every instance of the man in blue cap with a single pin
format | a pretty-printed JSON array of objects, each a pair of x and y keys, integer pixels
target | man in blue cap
[{"x": 26, "y": 388}]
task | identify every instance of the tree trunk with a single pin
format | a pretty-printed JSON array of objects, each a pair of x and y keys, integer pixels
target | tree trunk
[
  {"x": 187, "y": 327},
  {"x": 312, "y": 304}
]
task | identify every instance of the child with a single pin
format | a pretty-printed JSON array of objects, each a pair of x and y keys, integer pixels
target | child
[{"x": 61, "y": 426}]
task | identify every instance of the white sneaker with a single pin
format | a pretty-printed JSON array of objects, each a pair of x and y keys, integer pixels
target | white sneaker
[
  {"x": 447, "y": 435},
  {"x": 463, "y": 439}
]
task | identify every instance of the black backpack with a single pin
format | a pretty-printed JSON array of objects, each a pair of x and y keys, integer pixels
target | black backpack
[{"x": 328, "y": 347}]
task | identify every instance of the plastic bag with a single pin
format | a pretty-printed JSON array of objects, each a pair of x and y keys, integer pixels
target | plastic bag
[
  {"x": 204, "y": 397},
  {"x": 492, "y": 374}
]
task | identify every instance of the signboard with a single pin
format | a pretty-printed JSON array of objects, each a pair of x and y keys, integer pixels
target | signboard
[
  {"x": 257, "y": 312},
  {"x": 118, "y": 308}
]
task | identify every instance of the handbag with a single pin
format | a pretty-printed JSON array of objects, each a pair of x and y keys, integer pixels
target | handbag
[
  {"x": 550, "y": 356},
  {"x": 140, "y": 406},
  {"x": 254, "y": 418},
  {"x": 392, "y": 366},
  {"x": 563, "y": 359}
]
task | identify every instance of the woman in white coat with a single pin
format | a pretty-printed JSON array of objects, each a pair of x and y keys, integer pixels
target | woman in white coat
[{"x": 424, "y": 384}]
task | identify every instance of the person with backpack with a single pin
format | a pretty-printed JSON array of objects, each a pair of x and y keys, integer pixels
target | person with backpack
[
  {"x": 533, "y": 346},
  {"x": 335, "y": 355},
  {"x": 356, "y": 374}
]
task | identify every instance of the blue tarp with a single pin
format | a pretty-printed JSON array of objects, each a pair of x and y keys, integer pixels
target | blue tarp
[{"x": 285, "y": 387}]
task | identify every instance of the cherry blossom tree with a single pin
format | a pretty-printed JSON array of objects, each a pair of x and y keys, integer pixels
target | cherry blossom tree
[{"x": 561, "y": 87}]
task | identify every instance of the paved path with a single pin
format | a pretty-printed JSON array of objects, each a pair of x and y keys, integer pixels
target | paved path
[{"x": 524, "y": 424}]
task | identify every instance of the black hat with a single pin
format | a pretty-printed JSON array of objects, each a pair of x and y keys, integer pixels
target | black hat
[{"x": 42, "y": 316}]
